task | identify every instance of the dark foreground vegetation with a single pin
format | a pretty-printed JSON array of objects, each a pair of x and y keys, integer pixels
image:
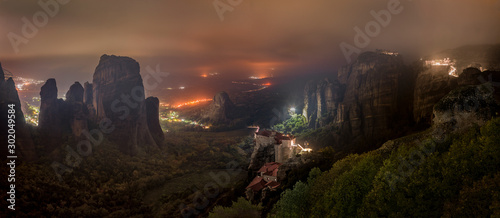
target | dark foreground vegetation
[
  {"x": 456, "y": 177},
  {"x": 110, "y": 183}
]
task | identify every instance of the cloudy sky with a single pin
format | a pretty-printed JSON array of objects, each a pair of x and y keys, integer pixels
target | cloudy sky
[{"x": 187, "y": 37}]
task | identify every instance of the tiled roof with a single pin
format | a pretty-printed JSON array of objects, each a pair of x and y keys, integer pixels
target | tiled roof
[
  {"x": 277, "y": 135},
  {"x": 257, "y": 184},
  {"x": 266, "y": 133},
  {"x": 272, "y": 184},
  {"x": 270, "y": 169}
]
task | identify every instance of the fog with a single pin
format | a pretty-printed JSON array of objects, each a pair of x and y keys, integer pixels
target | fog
[{"x": 189, "y": 37}]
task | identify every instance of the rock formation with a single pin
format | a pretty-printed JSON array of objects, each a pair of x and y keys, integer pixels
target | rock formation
[
  {"x": 371, "y": 103},
  {"x": 220, "y": 110},
  {"x": 321, "y": 101},
  {"x": 118, "y": 94},
  {"x": 88, "y": 100},
  {"x": 310, "y": 103},
  {"x": 25, "y": 148},
  {"x": 75, "y": 93},
  {"x": 378, "y": 97},
  {"x": 466, "y": 106},
  {"x": 431, "y": 85},
  {"x": 365, "y": 102},
  {"x": 78, "y": 112},
  {"x": 53, "y": 120},
  {"x": 153, "y": 117}
]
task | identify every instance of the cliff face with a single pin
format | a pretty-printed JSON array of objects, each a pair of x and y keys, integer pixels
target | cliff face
[
  {"x": 78, "y": 112},
  {"x": 88, "y": 100},
  {"x": 25, "y": 148},
  {"x": 431, "y": 85},
  {"x": 153, "y": 117},
  {"x": 365, "y": 101},
  {"x": 53, "y": 118},
  {"x": 371, "y": 103},
  {"x": 466, "y": 106},
  {"x": 118, "y": 94},
  {"x": 434, "y": 82},
  {"x": 377, "y": 97},
  {"x": 310, "y": 103},
  {"x": 59, "y": 118},
  {"x": 321, "y": 101}
]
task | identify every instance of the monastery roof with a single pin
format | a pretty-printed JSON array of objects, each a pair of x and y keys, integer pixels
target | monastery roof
[
  {"x": 257, "y": 184},
  {"x": 277, "y": 135},
  {"x": 270, "y": 169}
]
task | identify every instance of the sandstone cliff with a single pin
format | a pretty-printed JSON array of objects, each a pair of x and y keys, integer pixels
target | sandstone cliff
[
  {"x": 153, "y": 118},
  {"x": 78, "y": 112},
  {"x": 368, "y": 102},
  {"x": 53, "y": 121},
  {"x": 431, "y": 85},
  {"x": 118, "y": 94},
  {"x": 466, "y": 106}
]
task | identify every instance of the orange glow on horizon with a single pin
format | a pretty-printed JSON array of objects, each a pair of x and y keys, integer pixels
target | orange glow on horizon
[
  {"x": 266, "y": 84},
  {"x": 192, "y": 103}
]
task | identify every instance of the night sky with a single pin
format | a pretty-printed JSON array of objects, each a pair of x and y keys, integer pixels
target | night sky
[{"x": 187, "y": 37}]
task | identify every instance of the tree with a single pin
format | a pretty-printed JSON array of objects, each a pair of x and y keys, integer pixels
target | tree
[{"x": 240, "y": 208}]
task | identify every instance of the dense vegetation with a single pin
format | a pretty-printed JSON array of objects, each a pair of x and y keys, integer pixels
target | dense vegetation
[
  {"x": 456, "y": 177},
  {"x": 239, "y": 209},
  {"x": 296, "y": 124},
  {"x": 109, "y": 183}
]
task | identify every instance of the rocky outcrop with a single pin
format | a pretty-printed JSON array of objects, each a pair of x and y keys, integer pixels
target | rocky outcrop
[
  {"x": 53, "y": 120},
  {"x": 25, "y": 148},
  {"x": 310, "y": 103},
  {"x": 60, "y": 120},
  {"x": 78, "y": 112},
  {"x": 88, "y": 100},
  {"x": 365, "y": 103},
  {"x": 118, "y": 95},
  {"x": 466, "y": 106},
  {"x": 220, "y": 110},
  {"x": 432, "y": 84},
  {"x": 378, "y": 97},
  {"x": 49, "y": 109},
  {"x": 321, "y": 101},
  {"x": 372, "y": 102},
  {"x": 153, "y": 117}
]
